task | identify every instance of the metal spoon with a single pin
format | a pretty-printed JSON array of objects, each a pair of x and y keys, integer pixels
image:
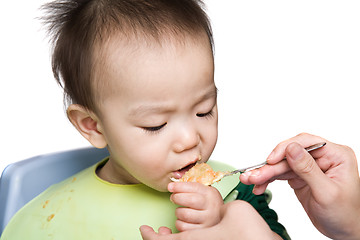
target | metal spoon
[{"x": 242, "y": 170}]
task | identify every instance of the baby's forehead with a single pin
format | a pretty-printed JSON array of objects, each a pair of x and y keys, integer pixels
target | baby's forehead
[
  {"x": 124, "y": 49},
  {"x": 130, "y": 44},
  {"x": 118, "y": 52}
]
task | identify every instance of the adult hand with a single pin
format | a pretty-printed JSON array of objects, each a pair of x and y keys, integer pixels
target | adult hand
[
  {"x": 239, "y": 220},
  {"x": 326, "y": 182}
]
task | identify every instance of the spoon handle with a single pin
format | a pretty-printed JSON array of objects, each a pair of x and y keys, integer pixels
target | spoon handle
[{"x": 242, "y": 170}]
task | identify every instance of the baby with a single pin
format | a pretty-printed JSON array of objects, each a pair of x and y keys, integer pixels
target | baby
[{"x": 138, "y": 79}]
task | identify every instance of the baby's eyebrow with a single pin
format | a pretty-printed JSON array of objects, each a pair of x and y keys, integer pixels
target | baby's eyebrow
[
  {"x": 163, "y": 108},
  {"x": 209, "y": 94},
  {"x": 150, "y": 109}
]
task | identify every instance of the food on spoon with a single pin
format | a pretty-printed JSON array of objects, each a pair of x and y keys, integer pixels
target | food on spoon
[{"x": 201, "y": 173}]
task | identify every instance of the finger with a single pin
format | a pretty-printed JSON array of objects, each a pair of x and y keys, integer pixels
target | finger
[
  {"x": 332, "y": 155},
  {"x": 297, "y": 183},
  {"x": 189, "y": 215},
  {"x": 306, "y": 168},
  {"x": 164, "y": 231},
  {"x": 184, "y": 226},
  {"x": 191, "y": 200},
  {"x": 260, "y": 189},
  {"x": 304, "y": 139},
  {"x": 265, "y": 174},
  {"x": 190, "y": 187}
]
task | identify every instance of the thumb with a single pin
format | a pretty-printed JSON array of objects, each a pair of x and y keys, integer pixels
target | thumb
[{"x": 304, "y": 165}]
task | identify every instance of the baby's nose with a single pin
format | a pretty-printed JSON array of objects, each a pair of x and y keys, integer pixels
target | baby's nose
[{"x": 187, "y": 138}]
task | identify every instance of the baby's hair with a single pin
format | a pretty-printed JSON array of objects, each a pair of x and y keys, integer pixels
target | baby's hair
[{"x": 76, "y": 26}]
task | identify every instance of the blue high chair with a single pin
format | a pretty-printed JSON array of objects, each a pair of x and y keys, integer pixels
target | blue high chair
[{"x": 22, "y": 181}]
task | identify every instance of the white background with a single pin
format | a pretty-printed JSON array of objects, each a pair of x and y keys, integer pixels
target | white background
[{"x": 282, "y": 67}]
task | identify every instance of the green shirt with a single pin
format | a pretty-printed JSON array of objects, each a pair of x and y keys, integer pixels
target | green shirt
[{"x": 87, "y": 207}]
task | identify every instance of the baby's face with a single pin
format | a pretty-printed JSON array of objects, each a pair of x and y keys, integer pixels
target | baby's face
[{"x": 160, "y": 114}]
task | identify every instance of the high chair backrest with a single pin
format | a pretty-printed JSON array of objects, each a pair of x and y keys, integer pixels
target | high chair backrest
[{"x": 22, "y": 181}]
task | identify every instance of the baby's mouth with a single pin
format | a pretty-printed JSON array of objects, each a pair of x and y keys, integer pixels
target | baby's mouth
[{"x": 179, "y": 173}]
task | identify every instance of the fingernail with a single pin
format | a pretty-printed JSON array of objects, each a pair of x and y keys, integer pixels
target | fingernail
[
  {"x": 246, "y": 174},
  {"x": 171, "y": 187},
  {"x": 171, "y": 198},
  {"x": 271, "y": 156},
  {"x": 296, "y": 152},
  {"x": 255, "y": 190},
  {"x": 255, "y": 173}
]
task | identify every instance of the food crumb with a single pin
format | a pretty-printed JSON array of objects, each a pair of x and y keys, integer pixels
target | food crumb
[
  {"x": 74, "y": 179},
  {"x": 46, "y": 203},
  {"x": 50, "y": 217}
]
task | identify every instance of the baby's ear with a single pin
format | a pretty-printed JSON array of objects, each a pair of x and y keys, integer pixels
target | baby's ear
[{"x": 86, "y": 122}]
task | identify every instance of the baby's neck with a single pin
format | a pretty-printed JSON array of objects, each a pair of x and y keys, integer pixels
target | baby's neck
[{"x": 114, "y": 174}]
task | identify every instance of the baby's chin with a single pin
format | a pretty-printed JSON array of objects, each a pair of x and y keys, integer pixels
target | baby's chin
[{"x": 163, "y": 187}]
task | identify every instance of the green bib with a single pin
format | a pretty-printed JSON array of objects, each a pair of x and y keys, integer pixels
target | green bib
[{"x": 86, "y": 207}]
